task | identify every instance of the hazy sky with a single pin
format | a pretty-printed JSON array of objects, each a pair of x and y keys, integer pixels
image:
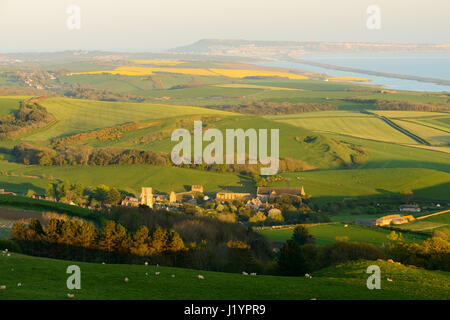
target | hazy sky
[{"x": 41, "y": 25}]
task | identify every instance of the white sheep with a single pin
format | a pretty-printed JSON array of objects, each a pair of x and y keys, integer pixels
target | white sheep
[
  {"x": 126, "y": 280},
  {"x": 253, "y": 274},
  {"x": 389, "y": 279},
  {"x": 70, "y": 295},
  {"x": 157, "y": 273},
  {"x": 2, "y": 287},
  {"x": 244, "y": 273},
  {"x": 19, "y": 284},
  {"x": 146, "y": 263},
  {"x": 201, "y": 277},
  {"x": 173, "y": 276}
]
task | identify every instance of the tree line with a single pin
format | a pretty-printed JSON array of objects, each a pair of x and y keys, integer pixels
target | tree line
[
  {"x": 275, "y": 108},
  {"x": 89, "y": 156},
  {"x": 76, "y": 239}
]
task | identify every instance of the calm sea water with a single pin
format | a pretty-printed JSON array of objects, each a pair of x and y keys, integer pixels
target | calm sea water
[{"x": 425, "y": 65}]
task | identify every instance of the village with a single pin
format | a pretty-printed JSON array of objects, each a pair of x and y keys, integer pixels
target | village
[{"x": 266, "y": 202}]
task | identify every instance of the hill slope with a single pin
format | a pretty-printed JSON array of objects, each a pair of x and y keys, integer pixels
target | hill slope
[{"x": 46, "y": 279}]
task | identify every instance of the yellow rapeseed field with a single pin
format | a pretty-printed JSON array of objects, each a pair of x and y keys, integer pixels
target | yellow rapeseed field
[
  {"x": 240, "y": 73},
  {"x": 231, "y": 73},
  {"x": 145, "y": 71},
  {"x": 349, "y": 79}
]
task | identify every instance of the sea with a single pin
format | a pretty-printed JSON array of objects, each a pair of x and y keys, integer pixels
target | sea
[{"x": 432, "y": 65}]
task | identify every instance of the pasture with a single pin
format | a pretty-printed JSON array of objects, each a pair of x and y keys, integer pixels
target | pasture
[
  {"x": 429, "y": 224},
  {"x": 75, "y": 116},
  {"x": 359, "y": 127},
  {"x": 129, "y": 178},
  {"x": 43, "y": 278},
  {"x": 9, "y": 104},
  {"x": 329, "y": 184},
  {"x": 326, "y": 233}
]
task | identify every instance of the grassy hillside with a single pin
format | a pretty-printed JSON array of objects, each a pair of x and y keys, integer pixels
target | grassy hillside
[
  {"x": 327, "y": 233},
  {"x": 130, "y": 178},
  {"x": 365, "y": 127},
  {"x": 9, "y": 104},
  {"x": 46, "y": 279},
  {"x": 76, "y": 116},
  {"x": 368, "y": 182}
]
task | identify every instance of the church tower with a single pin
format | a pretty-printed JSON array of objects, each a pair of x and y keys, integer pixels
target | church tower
[{"x": 147, "y": 197}]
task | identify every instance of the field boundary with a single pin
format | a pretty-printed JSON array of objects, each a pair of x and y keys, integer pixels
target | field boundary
[{"x": 433, "y": 214}]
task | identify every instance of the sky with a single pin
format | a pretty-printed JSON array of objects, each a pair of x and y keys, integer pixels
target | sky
[{"x": 156, "y": 25}]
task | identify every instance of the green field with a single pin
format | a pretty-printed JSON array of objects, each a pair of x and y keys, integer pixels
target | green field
[
  {"x": 429, "y": 224},
  {"x": 9, "y": 104},
  {"x": 360, "y": 127},
  {"x": 369, "y": 182},
  {"x": 327, "y": 233},
  {"x": 42, "y": 278},
  {"x": 75, "y": 116},
  {"x": 130, "y": 178}
]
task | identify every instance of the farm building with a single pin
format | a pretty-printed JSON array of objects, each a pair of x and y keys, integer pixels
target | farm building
[
  {"x": 197, "y": 188},
  {"x": 393, "y": 218},
  {"x": 409, "y": 208},
  {"x": 2, "y": 191},
  {"x": 223, "y": 196},
  {"x": 130, "y": 202},
  {"x": 255, "y": 204}
]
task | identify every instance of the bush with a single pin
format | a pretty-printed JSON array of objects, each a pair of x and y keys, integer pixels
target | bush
[
  {"x": 343, "y": 251},
  {"x": 10, "y": 245}
]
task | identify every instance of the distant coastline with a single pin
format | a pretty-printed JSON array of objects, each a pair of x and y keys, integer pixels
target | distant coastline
[{"x": 438, "y": 81}]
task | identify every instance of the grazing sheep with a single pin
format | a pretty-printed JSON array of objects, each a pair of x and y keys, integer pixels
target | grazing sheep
[
  {"x": 389, "y": 279},
  {"x": 146, "y": 273},
  {"x": 71, "y": 296},
  {"x": 2, "y": 287},
  {"x": 126, "y": 279},
  {"x": 173, "y": 276},
  {"x": 345, "y": 226},
  {"x": 244, "y": 273},
  {"x": 157, "y": 273},
  {"x": 253, "y": 274},
  {"x": 201, "y": 277},
  {"x": 146, "y": 263},
  {"x": 19, "y": 284}
]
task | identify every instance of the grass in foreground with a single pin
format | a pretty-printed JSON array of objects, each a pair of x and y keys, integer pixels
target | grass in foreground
[{"x": 43, "y": 278}]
